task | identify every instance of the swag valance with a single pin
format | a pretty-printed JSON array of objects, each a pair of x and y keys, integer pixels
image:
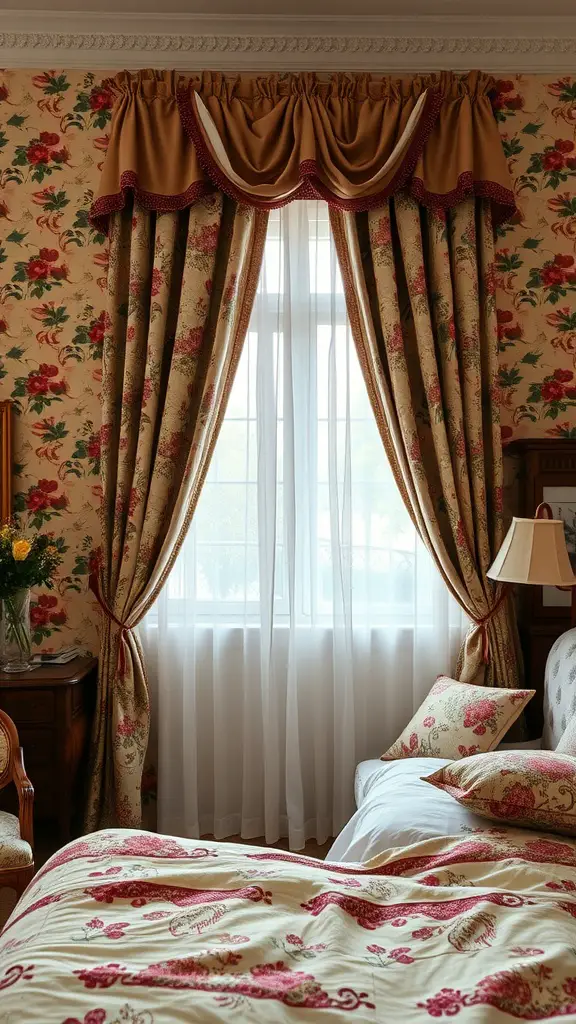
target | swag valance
[{"x": 352, "y": 140}]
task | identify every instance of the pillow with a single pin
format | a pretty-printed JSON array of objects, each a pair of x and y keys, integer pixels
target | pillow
[
  {"x": 522, "y": 787},
  {"x": 459, "y": 720}
]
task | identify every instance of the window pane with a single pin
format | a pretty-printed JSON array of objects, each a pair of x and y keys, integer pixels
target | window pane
[
  {"x": 299, "y": 488},
  {"x": 226, "y": 512},
  {"x": 226, "y": 572},
  {"x": 238, "y": 401},
  {"x": 231, "y": 455}
]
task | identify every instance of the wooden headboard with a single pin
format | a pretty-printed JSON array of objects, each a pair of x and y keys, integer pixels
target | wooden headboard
[{"x": 5, "y": 461}]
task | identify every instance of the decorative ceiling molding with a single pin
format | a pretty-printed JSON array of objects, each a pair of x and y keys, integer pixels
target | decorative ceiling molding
[{"x": 194, "y": 42}]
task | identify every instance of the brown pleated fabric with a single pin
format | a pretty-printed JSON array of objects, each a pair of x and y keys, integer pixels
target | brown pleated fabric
[{"x": 352, "y": 140}]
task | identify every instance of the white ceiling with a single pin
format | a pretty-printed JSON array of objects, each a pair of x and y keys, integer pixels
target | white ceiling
[
  {"x": 499, "y": 36},
  {"x": 307, "y": 8}
]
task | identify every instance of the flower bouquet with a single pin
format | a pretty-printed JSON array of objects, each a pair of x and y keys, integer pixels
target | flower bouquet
[{"x": 24, "y": 564}]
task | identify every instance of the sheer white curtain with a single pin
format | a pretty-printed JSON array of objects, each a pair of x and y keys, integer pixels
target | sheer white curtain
[{"x": 303, "y": 622}]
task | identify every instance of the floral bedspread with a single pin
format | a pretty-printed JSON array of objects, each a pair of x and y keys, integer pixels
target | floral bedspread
[{"x": 126, "y": 927}]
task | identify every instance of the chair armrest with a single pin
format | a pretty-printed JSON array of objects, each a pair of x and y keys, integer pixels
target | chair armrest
[{"x": 25, "y": 791}]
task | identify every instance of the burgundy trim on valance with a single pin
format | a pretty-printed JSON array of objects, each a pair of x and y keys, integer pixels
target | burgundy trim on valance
[
  {"x": 105, "y": 205},
  {"x": 502, "y": 199}
]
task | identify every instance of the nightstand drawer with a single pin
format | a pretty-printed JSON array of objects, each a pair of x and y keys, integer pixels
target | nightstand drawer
[
  {"x": 39, "y": 749},
  {"x": 29, "y": 707}
]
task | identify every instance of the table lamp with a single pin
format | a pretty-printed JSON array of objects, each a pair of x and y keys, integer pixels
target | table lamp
[{"x": 534, "y": 551}]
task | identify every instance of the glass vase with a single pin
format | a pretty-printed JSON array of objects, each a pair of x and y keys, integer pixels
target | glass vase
[{"x": 15, "y": 636}]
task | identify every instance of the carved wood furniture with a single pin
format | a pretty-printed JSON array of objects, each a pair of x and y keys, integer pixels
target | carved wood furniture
[
  {"x": 52, "y": 707},
  {"x": 543, "y": 464},
  {"x": 16, "y": 833}
]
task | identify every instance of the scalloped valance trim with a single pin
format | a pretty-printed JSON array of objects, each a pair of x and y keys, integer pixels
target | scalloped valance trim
[
  {"x": 104, "y": 206},
  {"x": 502, "y": 199}
]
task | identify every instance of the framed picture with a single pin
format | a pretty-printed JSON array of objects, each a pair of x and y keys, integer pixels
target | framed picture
[
  {"x": 562, "y": 501},
  {"x": 5, "y": 461}
]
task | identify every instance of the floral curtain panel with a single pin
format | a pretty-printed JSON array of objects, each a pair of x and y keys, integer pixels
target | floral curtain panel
[
  {"x": 178, "y": 288},
  {"x": 420, "y": 292}
]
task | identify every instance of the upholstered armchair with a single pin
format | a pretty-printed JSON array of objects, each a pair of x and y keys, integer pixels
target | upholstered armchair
[{"x": 16, "y": 833}]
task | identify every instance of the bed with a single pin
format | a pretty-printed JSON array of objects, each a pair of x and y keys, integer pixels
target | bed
[
  {"x": 129, "y": 927},
  {"x": 446, "y": 917}
]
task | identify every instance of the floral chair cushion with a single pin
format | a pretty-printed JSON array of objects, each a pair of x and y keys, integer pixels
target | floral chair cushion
[
  {"x": 536, "y": 789},
  {"x": 459, "y": 720},
  {"x": 14, "y": 851}
]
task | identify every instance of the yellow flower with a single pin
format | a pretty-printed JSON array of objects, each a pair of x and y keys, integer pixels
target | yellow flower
[
  {"x": 51, "y": 550},
  {"x": 21, "y": 549},
  {"x": 5, "y": 533}
]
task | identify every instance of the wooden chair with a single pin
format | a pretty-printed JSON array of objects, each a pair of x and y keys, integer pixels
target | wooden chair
[{"x": 16, "y": 833}]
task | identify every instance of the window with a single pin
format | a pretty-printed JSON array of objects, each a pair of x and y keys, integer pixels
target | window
[
  {"x": 303, "y": 621},
  {"x": 300, "y": 508}
]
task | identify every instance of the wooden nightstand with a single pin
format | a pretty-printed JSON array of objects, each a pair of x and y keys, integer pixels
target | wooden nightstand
[{"x": 52, "y": 707}]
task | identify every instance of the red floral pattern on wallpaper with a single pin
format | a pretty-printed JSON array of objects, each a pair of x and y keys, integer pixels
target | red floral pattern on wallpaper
[
  {"x": 536, "y": 258},
  {"x": 53, "y": 135}
]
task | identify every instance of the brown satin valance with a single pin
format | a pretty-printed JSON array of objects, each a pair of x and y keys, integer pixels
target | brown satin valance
[{"x": 352, "y": 140}]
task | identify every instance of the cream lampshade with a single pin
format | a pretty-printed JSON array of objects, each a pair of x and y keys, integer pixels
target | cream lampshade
[{"x": 534, "y": 551}]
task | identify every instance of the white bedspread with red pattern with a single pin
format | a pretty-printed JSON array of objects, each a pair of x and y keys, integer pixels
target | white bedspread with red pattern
[{"x": 126, "y": 927}]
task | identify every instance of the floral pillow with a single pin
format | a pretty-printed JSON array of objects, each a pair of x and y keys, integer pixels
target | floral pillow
[
  {"x": 459, "y": 720},
  {"x": 536, "y": 788}
]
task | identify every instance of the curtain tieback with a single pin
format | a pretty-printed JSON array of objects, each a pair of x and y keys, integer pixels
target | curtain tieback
[
  {"x": 483, "y": 623},
  {"x": 124, "y": 629}
]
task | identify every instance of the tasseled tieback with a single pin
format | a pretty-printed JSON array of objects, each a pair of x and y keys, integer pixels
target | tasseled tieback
[
  {"x": 483, "y": 623},
  {"x": 124, "y": 629}
]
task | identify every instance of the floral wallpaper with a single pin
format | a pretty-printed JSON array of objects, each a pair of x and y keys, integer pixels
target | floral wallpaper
[
  {"x": 536, "y": 262},
  {"x": 53, "y": 134}
]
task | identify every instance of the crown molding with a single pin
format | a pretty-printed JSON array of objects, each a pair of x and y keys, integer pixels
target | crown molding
[{"x": 193, "y": 42}]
